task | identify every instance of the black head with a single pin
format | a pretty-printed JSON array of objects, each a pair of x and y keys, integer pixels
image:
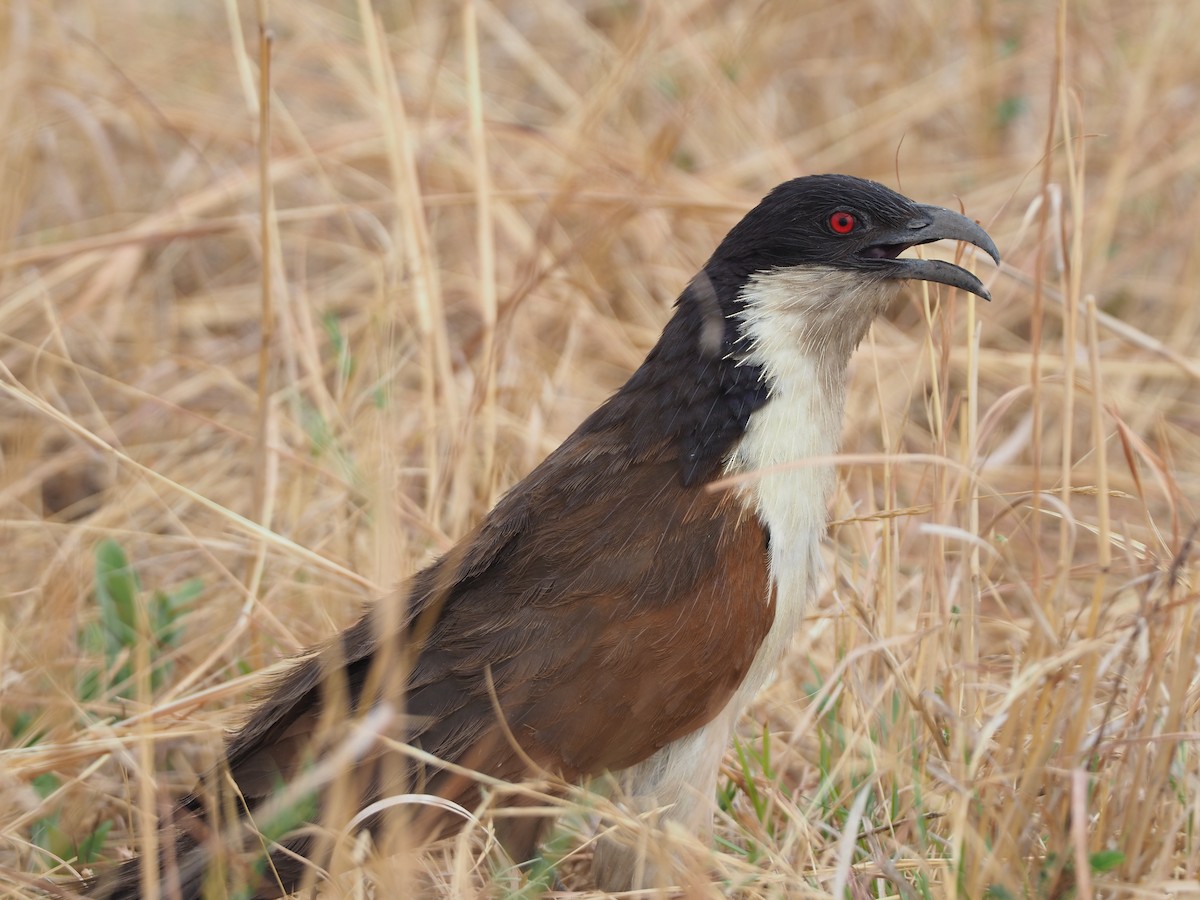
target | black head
[
  {"x": 847, "y": 223},
  {"x": 775, "y": 287}
]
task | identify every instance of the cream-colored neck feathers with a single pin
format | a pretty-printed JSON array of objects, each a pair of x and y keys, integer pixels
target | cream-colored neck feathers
[{"x": 802, "y": 325}]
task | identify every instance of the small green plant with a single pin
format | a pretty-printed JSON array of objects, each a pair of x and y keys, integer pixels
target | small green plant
[
  {"x": 749, "y": 762},
  {"x": 1105, "y": 861},
  {"x": 115, "y": 632},
  {"x": 542, "y": 874},
  {"x": 49, "y": 836},
  {"x": 754, "y": 765},
  {"x": 341, "y": 347}
]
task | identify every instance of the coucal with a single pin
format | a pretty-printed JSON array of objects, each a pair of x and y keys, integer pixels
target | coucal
[{"x": 613, "y": 613}]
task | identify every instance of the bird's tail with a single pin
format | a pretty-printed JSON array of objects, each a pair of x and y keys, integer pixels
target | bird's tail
[
  {"x": 192, "y": 870},
  {"x": 124, "y": 881}
]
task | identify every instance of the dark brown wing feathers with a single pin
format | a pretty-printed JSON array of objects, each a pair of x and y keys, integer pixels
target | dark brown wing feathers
[{"x": 618, "y": 618}]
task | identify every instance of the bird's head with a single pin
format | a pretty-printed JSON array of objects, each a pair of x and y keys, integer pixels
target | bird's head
[
  {"x": 820, "y": 255},
  {"x": 781, "y": 304}
]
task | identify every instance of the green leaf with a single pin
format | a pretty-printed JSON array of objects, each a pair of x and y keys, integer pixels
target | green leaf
[
  {"x": 46, "y": 784},
  {"x": 167, "y": 610},
  {"x": 1106, "y": 860},
  {"x": 116, "y": 591},
  {"x": 119, "y": 594},
  {"x": 89, "y": 848}
]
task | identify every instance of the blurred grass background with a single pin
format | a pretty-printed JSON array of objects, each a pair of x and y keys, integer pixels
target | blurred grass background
[{"x": 478, "y": 215}]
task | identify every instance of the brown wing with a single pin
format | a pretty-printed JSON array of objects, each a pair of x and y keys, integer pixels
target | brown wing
[
  {"x": 615, "y": 609},
  {"x": 620, "y": 615},
  {"x": 615, "y": 601}
]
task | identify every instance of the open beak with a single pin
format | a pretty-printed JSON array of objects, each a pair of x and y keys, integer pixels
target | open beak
[{"x": 933, "y": 223}]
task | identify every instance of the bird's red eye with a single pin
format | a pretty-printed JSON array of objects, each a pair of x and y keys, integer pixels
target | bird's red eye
[{"x": 842, "y": 222}]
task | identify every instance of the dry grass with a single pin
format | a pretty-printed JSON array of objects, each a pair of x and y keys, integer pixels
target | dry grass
[{"x": 475, "y": 227}]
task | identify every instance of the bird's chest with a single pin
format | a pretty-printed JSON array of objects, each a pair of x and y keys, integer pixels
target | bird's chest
[{"x": 784, "y": 454}]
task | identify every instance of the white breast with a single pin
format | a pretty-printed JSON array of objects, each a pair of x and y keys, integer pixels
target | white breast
[
  {"x": 790, "y": 502},
  {"x": 803, "y": 325}
]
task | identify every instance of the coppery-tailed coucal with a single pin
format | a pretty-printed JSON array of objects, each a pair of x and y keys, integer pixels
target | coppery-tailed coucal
[{"x": 612, "y": 609}]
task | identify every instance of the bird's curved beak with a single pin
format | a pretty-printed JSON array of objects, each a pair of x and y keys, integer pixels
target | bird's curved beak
[{"x": 933, "y": 223}]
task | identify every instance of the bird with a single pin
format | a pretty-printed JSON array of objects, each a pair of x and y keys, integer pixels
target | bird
[{"x": 618, "y": 608}]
